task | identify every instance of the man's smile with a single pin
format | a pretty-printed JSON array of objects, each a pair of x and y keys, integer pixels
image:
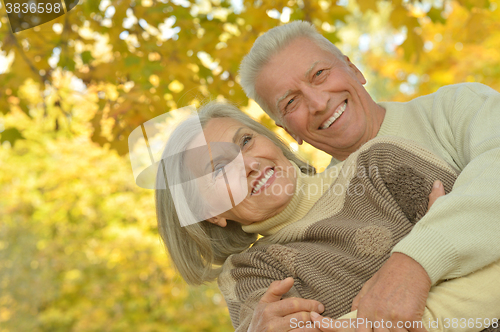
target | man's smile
[{"x": 338, "y": 112}]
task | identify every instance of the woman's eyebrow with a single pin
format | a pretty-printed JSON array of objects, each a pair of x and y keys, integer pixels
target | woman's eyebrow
[
  {"x": 210, "y": 166},
  {"x": 235, "y": 137}
]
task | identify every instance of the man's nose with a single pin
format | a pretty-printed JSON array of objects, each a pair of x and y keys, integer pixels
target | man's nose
[{"x": 316, "y": 101}]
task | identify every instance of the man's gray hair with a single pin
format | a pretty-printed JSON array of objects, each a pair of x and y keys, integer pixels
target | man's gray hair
[{"x": 267, "y": 46}]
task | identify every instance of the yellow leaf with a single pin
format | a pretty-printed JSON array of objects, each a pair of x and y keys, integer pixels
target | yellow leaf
[
  {"x": 398, "y": 16},
  {"x": 155, "y": 80},
  {"x": 412, "y": 46},
  {"x": 365, "y": 5},
  {"x": 176, "y": 86}
]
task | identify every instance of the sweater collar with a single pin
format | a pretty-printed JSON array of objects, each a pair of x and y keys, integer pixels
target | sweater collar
[
  {"x": 392, "y": 120},
  {"x": 390, "y": 126},
  {"x": 308, "y": 189}
]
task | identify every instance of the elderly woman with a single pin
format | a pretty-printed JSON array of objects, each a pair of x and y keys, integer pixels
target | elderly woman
[{"x": 330, "y": 232}]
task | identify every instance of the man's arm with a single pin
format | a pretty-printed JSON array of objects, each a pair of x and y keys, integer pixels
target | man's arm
[
  {"x": 414, "y": 310},
  {"x": 460, "y": 233}
]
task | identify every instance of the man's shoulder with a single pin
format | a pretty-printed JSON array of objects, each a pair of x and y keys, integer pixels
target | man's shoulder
[
  {"x": 472, "y": 86},
  {"x": 447, "y": 94}
]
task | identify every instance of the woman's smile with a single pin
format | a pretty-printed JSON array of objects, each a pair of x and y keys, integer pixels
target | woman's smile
[{"x": 264, "y": 181}]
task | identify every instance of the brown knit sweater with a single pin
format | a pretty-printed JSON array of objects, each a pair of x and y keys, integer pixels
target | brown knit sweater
[{"x": 381, "y": 192}]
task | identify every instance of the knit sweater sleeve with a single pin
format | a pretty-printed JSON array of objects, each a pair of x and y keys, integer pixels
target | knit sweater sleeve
[
  {"x": 460, "y": 233},
  {"x": 244, "y": 280}
]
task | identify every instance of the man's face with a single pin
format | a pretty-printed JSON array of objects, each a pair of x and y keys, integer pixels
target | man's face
[{"x": 320, "y": 98}]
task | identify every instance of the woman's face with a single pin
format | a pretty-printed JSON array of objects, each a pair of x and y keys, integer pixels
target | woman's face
[{"x": 270, "y": 177}]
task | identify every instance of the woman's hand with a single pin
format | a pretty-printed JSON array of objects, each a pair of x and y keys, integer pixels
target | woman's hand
[
  {"x": 436, "y": 192},
  {"x": 333, "y": 325},
  {"x": 277, "y": 315}
]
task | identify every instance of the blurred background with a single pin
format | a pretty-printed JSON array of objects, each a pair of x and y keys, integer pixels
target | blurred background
[{"x": 79, "y": 249}]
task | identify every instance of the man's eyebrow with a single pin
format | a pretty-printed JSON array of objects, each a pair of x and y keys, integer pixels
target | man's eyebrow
[
  {"x": 308, "y": 72},
  {"x": 281, "y": 98},
  {"x": 306, "y": 75}
]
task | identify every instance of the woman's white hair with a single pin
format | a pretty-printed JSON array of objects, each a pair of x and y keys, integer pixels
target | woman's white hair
[
  {"x": 268, "y": 45},
  {"x": 198, "y": 250}
]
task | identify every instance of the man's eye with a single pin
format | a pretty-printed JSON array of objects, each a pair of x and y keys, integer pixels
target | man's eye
[
  {"x": 290, "y": 102},
  {"x": 319, "y": 72}
]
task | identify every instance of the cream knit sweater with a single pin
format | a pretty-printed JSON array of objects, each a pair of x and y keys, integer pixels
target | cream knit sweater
[{"x": 461, "y": 124}]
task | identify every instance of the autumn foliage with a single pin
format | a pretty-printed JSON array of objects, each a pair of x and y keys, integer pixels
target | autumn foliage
[{"x": 79, "y": 250}]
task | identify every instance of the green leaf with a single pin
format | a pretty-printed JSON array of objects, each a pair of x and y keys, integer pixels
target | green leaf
[
  {"x": 11, "y": 135},
  {"x": 435, "y": 16},
  {"x": 132, "y": 60},
  {"x": 87, "y": 57}
]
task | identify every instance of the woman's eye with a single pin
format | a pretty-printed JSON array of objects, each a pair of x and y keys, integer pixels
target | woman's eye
[
  {"x": 218, "y": 170},
  {"x": 245, "y": 140}
]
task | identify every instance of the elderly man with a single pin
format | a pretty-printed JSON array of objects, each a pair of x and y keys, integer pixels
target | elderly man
[{"x": 308, "y": 87}]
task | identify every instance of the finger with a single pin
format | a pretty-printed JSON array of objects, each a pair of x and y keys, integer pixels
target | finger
[
  {"x": 294, "y": 304},
  {"x": 301, "y": 322},
  {"x": 364, "y": 325},
  {"x": 355, "y": 302},
  {"x": 395, "y": 328},
  {"x": 276, "y": 290},
  {"x": 366, "y": 287},
  {"x": 331, "y": 325},
  {"x": 305, "y": 329},
  {"x": 417, "y": 327},
  {"x": 398, "y": 326},
  {"x": 381, "y": 329},
  {"x": 376, "y": 326},
  {"x": 436, "y": 192}
]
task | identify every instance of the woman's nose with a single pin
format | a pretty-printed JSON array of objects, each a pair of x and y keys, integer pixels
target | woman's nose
[{"x": 251, "y": 165}]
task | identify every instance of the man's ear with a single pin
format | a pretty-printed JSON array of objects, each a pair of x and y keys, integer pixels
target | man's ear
[
  {"x": 218, "y": 220},
  {"x": 297, "y": 138},
  {"x": 357, "y": 72}
]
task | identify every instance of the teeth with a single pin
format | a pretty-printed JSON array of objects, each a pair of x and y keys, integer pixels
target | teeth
[
  {"x": 263, "y": 181},
  {"x": 335, "y": 116}
]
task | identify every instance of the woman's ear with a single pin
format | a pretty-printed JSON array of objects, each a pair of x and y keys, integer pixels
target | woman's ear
[
  {"x": 357, "y": 72},
  {"x": 218, "y": 220}
]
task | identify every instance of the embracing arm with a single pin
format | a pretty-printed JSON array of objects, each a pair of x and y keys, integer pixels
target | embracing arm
[
  {"x": 470, "y": 303},
  {"x": 459, "y": 234}
]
